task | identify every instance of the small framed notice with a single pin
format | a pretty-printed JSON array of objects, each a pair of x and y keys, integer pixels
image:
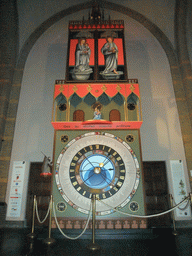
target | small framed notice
[
  {"x": 179, "y": 189},
  {"x": 16, "y": 189}
]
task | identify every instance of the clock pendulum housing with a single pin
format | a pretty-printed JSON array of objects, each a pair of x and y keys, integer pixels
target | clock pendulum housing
[{"x": 97, "y": 120}]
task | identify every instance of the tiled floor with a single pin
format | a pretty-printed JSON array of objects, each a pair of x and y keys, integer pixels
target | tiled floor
[{"x": 15, "y": 242}]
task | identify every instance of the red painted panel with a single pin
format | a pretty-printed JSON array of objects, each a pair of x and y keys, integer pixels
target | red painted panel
[
  {"x": 96, "y": 89},
  {"x": 99, "y": 124}
]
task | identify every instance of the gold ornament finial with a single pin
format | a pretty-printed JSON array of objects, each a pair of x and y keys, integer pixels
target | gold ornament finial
[
  {"x": 132, "y": 88},
  {"x": 61, "y": 88},
  {"x": 104, "y": 88},
  {"x": 75, "y": 88},
  {"x": 118, "y": 88},
  {"x": 89, "y": 88}
]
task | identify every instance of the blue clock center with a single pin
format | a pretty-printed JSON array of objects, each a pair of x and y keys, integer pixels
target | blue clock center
[{"x": 97, "y": 171}]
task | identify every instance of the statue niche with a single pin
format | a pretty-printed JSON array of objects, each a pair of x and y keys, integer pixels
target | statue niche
[{"x": 82, "y": 70}]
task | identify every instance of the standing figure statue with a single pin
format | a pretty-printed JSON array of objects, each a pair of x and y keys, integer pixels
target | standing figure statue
[
  {"x": 82, "y": 56},
  {"x": 82, "y": 69},
  {"x": 110, "y": 52}
]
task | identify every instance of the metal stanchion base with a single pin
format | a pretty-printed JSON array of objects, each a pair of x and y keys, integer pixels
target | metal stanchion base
[
  {"x": 94, "y": 247},
  {"x": 175, "y": 232},
  {"x": 49, "y": 241},
  {"x": 31, "y": 235}
]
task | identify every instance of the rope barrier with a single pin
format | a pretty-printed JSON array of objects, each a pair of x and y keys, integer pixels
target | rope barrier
[
  {"x": 72, "y": 238},
  {"x": 37, "y": 212},
  {"x": 116, "y": 210},
  {"x": 146, "y": 216},
  {"x": 182, "y": 209}
]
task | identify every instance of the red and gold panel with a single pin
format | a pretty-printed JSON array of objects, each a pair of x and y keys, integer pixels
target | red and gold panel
[{"x": 96, "y": 89}]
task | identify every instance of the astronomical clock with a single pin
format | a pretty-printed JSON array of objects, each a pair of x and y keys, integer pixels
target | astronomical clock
[{"x": 97, "y": 120}]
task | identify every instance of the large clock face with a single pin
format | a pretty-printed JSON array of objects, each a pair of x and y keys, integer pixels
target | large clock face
[{"x": 101, "y": 164}]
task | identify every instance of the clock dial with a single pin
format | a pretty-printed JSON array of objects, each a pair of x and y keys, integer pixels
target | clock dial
[
  {"x": 97, "y": 169},
  {"x": 101, "y": 164},
  {"x": 61, "y": 206},
  {"x": 134, "y": 207}
]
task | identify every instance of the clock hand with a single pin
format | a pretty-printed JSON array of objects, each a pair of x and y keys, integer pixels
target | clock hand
[
  {"x": 106, "y": 159},
  {"x": 105, "y": 178},
  {"x": 89, "y": 161},
  {"x": 107, "y": 162},
  {"x": 88, "y": 178},
  {"x": 84, "y": 170}
]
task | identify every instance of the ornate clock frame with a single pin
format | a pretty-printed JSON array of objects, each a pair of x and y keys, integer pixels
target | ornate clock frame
[{"x": 97, "y": 156}]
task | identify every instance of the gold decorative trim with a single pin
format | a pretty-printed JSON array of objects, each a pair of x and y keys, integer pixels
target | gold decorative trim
[
  {"x": 118, "y": 88},
  {"x": 104, "y": 88},
  {"x": 132, "y": 88},
  {"x": 61, "y": 88},
  {"x": 89, "y": 88},
  {"x": 79, "y": 223},
  {"x": 75, "y": 88}
]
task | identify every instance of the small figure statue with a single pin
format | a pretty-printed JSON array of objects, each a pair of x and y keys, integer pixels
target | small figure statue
[
  {"x": 97, "y": 111},
  {"x": 47, "y": 166},
  {"x": 110, "y": 52}
]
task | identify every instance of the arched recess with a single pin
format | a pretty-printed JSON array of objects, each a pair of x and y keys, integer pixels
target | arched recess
[
  {"x": 156, "y": 31},
  {"x": 181, "y": 12}
]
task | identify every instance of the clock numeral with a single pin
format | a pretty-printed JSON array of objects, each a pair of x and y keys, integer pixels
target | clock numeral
[
  {"x": 72, "y": 177},
  {"x": 84, "y": 193},
  {"x": 97, "y": 196},
  {"x": 90, "y": 196},
  {"x": 110, "y": 193},
  {"x": 118, "y": 158},
  {"x": 116, "y": 189},
  {"x": 97, "y": 146},
  {"x": 75, "y": 183},
  {"x": 122, "y": 177},
  {"x": 73, "y": 164},
  {"x": 91, "y": 147},
  {"x": 79, "y": 153},
  {"x": 119, "y": 183},
  {"x": 115, "y": 153},
  {"x": 85, "y": 150},
  {"x": 79, "y": 188},
  {"x": 109, "y": 150},
  {"x": 71, "y": 170},
  {"x": 75, "y": 158},
  {"x": 104, "y": 196},
  {"x": 103, "y": 148},
  {"x": 122, "y": 171}
]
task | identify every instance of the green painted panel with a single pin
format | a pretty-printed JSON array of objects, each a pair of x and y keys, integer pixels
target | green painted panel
[{"x": 135, "y": 145}]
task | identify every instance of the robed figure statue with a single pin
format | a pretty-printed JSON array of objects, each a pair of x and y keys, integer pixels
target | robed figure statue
[
  {"x": 110, "y": 52},
  {"x": 82, "y": 70}
]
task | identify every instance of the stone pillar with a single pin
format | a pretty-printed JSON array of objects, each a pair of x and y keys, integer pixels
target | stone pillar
[{"x": 8, "y": 53}]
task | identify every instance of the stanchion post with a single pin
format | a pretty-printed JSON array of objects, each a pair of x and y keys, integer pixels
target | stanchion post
[
  {"x": 50, "y": 240},
  {"x": 32, "y": 234},
  {"x": 93, "y": 246},
  {"x": 174, "y": 232}
]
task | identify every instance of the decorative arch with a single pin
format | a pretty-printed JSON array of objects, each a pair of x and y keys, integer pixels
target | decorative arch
[{"x": 156, "y": 31}]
